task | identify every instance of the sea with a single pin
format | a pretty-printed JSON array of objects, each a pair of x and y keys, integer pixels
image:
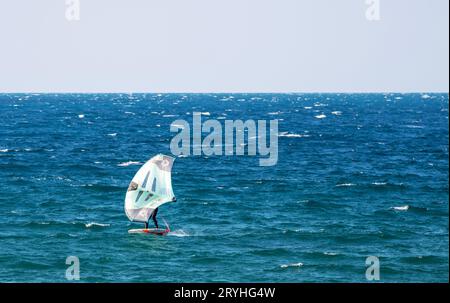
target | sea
[{"x": 360, "y": 192}]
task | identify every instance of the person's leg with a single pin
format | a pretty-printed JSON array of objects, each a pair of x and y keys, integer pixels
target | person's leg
[
  {"x": 154, "y": 218},
  {"x": 146, "y": 225},
  {"x": 155, "y": 221}
]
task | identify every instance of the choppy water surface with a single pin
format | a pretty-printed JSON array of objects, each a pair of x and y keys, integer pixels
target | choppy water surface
[{"x": 358, "y": 175}]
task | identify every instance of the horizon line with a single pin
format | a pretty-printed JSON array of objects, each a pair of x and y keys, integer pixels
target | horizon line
[{"x": 224, "y": 92}]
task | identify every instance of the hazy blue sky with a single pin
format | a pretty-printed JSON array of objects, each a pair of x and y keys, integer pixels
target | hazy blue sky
[{"x": 224, "y": 46}]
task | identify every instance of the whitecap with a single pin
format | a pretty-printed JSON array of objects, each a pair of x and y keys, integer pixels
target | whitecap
[
  {"x": 81, "y": 116},
  {"x": 168, "y": 116},
  {"x": 274, "y": 113},
  {"x": 414, "y": 126},
  {"x": 287, "y": 135},
  {"x": 426, "y": 96},
  {"x": 337, "y": 113},
  {"x": 330, "y": 253},
  {"x": 130, "y": 113},
  {"x": 321, "y": 116},
  {"x": 401, "y": 208},
  {"x": 177, "y": 126},
  {"x": 307, "y": 107},
  {"x": 88, "y": 225},
  {"x": 124, "y": 164},
  {"x": 206, "y": 114},
  {"x": 291, "y": 265},
  {"x": 4, "y": 150},
  {"x": 112, "y": 134},
  {"x": 345, "y": 185},
  {"x": 379, "y": 183},
  {"x": 318, "y": 104}
]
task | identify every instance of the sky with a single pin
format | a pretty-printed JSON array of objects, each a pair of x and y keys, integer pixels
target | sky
[{"x": 224, "y": 46}]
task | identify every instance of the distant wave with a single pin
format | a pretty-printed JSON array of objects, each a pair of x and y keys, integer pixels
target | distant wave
[
  {"x": 415, "y": 126},
  {"x": 125, "y": 164},
  {"x": 4, "y": 150},
  {"x": 345, "y": 185},
  {"x": 318, "y": 104},
  {"x": 330, "y": 253},
  {"x": 93, "y": 224},
  {"x": 180, "y": 126},
  {"x": 401, "y": 208},
  {"x": 414, "y": 209},
  {"x": 287, "y": 135},
  {"x": 64, "y": 224},
  {"x": 291, "y": 265}
]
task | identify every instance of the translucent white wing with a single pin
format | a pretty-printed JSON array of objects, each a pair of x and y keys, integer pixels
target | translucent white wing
[{"x": 150, "y": 188}]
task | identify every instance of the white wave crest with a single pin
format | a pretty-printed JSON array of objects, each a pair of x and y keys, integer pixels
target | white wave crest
[
  {"x": 91, "y": 224},
  {"x": 320, "y": 116},
  {"x": 287, "y": 135},
  {"x": 401, "y": 208},
  {"x": 124, "y": 164},
  {"x": 180, "y": 126},
  {"x": 291, "y": 265},
  {"x": 345, "y": 185}
]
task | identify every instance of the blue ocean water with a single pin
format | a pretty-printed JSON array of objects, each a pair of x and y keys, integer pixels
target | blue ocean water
[{"x": 358, "y": 175}]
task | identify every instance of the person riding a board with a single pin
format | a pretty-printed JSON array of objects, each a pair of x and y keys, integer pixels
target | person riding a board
[{"x": 153, "y": 216}]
